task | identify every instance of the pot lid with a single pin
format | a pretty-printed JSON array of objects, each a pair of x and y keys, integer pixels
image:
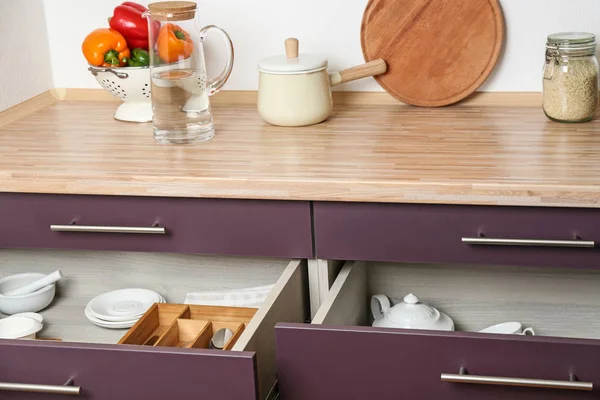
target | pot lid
[
  {"x": 292, "y": 62},
  {"x": 414, "y": 314}
]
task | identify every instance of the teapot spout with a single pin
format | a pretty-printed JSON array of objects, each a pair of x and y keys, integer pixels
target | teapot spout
[{"x": 380, "y": 304}]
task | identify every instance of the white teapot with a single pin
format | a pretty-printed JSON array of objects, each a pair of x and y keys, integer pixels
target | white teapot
[{"x": 411, "y": 314}]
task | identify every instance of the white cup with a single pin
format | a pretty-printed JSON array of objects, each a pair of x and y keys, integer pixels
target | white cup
[{"x": 509, "y": 328}]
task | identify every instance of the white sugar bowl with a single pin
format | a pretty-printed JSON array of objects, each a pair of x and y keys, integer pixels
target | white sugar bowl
[{"x": 410, "y": 314}]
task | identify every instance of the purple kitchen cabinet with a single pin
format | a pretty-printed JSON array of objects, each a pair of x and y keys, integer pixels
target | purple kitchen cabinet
[
  {"x": 227, "y": 227},
  {"x": 127, "y": 372},
  {"x": 352, "y": 363},
  {"x": 434, "y": 233}
]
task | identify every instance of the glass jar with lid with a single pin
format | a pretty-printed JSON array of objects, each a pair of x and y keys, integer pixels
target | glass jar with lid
[{"x": 571, "y": 77}]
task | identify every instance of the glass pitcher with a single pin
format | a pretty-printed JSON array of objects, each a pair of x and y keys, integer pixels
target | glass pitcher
[{"x": 180, "y": 86}]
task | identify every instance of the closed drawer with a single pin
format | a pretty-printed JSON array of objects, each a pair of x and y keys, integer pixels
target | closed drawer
[
  {"x": 340, "y": 356},
  {"x": 447, "y": 233},
  {"x": 125, "y": 372},
  {"x": 227, "y": 227}
]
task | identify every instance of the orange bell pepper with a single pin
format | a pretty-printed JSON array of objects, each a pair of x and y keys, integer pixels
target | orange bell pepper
[
  {"x": 174, "y": 44},
  {"x": 105, "y": 47}
]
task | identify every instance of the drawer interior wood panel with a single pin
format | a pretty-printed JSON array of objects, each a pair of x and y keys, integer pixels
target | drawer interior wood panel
[
  {"x": 209, "y": 226},
  {"x": 360, "y": 361},
  {"x": 555, "y": 302},
  {"x": 87, "y": 274},
  {"x": 434, "y": 233}
]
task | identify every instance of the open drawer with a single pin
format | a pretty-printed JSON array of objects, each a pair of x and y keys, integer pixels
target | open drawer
[
  {"x": 88, "y": 362},
  {"x": 340, "y": 356}
]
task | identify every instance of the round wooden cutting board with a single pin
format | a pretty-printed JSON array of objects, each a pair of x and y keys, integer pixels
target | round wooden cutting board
[{"x": 438, "y": 51}]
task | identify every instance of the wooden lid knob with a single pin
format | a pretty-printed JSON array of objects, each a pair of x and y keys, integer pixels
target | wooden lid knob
[{"x": 291, "y": 47}]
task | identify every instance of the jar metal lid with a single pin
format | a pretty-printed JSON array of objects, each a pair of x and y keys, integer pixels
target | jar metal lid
[{"x": 572, "y": 41}]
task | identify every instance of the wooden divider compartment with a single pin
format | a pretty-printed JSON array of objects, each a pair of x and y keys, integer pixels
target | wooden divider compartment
[
  {"x": 186, "y": 333},
  {"x": 187, "y": 326},
  {"x": 155, "y": 323}
]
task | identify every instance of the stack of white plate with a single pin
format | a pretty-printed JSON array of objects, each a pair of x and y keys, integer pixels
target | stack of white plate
[{"x": 122, "y": 308}]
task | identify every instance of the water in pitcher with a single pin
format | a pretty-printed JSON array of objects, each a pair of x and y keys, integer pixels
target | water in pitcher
[{"x": 181, "y": 106}]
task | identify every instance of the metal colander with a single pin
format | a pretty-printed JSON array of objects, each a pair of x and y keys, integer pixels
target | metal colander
[{"x": 132, "y": 86}]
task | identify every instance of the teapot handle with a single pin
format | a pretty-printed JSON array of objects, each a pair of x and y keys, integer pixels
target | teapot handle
[{"x": 379, "y": 305}]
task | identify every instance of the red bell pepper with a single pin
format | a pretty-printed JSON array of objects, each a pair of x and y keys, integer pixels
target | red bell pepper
[{"x": 128, "y": 20}]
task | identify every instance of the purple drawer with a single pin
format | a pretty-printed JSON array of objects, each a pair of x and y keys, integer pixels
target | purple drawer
[
  {"x": 434, "y": 233},
  {"x": 126, "y": 372},
  {"x": 324, "y": 363},
  {"x": 227, "y": 227}
]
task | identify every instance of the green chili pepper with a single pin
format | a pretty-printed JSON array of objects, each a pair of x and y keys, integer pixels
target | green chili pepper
[{"x": 139, "y": 58}]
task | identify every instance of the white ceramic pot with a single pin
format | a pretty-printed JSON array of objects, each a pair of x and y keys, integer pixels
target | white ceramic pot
[
  {"x": 295, "y": 89},
  {"x": 411, "y": 314}
]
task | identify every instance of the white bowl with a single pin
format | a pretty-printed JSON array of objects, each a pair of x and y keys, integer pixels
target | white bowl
[
  {"x": 32, "y": 302},
  {"x": 19, "y": 328}
]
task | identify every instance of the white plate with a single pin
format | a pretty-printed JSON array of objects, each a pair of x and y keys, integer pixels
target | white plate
[
  {"x": 114, "y": 324},
  {"x": 89, "y": 314},
  {"x": 122, "y": 305},
  {"x": 109, "y": 325}
]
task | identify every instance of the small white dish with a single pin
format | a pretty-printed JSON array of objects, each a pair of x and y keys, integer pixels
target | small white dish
[
  {"x": 19, "y": 328},
  {"x": 122, "y": 305},
  {"x": 31, "y": 302},
  {"x": 509, "y": 328}
]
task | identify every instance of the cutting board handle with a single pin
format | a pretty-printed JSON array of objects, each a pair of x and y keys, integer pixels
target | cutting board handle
[{"x": 372, "y": 68}]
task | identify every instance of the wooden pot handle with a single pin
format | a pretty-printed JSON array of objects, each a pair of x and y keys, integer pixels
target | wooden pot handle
[
  {"x": 372, "y": 68},
  {"x": 291, "y": 47}
]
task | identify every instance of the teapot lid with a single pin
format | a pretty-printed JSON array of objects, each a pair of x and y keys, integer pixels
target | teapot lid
[
  {"x": 414, "y": 314},
  {"x": 292, "y": 62}
]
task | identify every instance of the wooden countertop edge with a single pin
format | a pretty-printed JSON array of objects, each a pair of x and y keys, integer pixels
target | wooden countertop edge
[
  {"x": 479, "y": 99},
  {"x": 457, "y": 193}
]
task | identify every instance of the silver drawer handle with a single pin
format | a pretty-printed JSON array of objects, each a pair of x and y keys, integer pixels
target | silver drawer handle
[
  {"x": 153, "y": 230},
  {"x": 66, "y": 389},
  {"x": 483, "y": 241},
  {"x": 463, "y": 377}
]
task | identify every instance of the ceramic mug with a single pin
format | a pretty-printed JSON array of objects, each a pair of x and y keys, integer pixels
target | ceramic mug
[{"x": 509, "y": 328}]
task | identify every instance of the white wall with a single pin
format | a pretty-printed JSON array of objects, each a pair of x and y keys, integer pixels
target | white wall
[
  {"x": 25, "y": 66},
  {"x": 331, "y": 27}
]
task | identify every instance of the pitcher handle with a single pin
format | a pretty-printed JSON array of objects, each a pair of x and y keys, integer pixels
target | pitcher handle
[{"x": 214, "y": 84}]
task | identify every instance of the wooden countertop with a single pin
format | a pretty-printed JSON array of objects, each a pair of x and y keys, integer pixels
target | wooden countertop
[{"x": 371, "y": 150}]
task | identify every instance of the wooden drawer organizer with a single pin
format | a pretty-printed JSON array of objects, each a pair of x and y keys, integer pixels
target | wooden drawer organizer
[{"x": 187, "y": 326}]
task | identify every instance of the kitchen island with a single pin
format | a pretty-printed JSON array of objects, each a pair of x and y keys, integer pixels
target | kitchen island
[{"x": 411, "y": 197}]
